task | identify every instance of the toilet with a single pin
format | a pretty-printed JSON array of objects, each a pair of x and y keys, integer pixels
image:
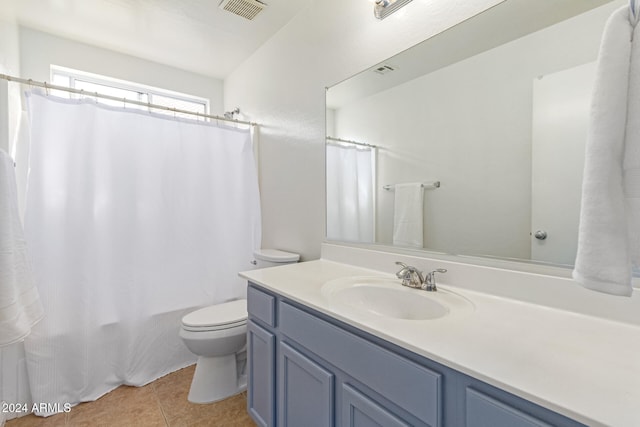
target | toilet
[{"x": 217, "y": 334}]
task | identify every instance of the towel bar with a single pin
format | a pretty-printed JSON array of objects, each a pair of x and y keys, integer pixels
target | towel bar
[{"x": 428, "y": 185}]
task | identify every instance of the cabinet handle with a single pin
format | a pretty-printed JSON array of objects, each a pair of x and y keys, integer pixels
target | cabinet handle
[{"x": 540, "y": 234}]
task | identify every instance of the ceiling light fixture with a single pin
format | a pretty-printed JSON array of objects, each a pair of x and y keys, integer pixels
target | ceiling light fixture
[{"x": 384, "y": 8}]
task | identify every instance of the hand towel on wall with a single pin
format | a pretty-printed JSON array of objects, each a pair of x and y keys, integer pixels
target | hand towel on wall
[
  {"x": 408, "y": 215},
  {"x": 20, "y": 306},
  {"x": 609, "y": 233}
]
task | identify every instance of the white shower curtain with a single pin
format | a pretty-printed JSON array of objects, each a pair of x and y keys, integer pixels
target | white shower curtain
[
  {"x": 133, "y": 220},
  {"x": 350, "y": 193}
]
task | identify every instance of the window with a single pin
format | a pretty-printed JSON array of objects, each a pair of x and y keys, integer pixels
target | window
[{"x": 121, "y": 89}]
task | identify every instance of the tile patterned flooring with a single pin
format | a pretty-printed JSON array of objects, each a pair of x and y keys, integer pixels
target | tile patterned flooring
[{"x": 162, "y": 403}]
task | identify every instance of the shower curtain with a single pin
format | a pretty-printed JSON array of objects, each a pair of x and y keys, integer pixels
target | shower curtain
[
  {"x": 133, "y": 219},
  {"x": 350, "y": 193}
]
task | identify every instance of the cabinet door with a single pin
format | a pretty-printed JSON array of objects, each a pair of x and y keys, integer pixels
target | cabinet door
[
  {"x": 261, "y": 374},
  {"x": 360, "y": 411},
  {"x": 306, "y": 391},
  {"x": 484, "y": 411}
]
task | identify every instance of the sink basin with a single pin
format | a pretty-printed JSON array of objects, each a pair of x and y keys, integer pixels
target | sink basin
[{"x": 386, "y": 297}]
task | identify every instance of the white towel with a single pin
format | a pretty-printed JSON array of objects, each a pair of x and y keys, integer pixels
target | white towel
[
  {"x": 609, "y": 230},
  {"x": 407, "y": 215},
  {"x": 20, "y": 306}
]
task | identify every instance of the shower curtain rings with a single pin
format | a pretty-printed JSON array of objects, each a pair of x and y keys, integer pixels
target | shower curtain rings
[{"x": 46, "y": 89}]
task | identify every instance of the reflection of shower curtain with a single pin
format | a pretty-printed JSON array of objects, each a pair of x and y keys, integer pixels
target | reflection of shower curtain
[
  {"x": 350, "y": 203},
  {"x": 133, "y": 220}
]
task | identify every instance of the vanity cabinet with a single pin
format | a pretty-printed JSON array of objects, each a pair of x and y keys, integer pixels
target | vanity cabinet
[{"x": 309, "y": 369}]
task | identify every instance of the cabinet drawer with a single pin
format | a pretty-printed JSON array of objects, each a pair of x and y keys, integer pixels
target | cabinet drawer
[
  {"x": 485, "y": 411},
  {"x": 261, "y": 305},
  {"x": 412, "y": 387}
]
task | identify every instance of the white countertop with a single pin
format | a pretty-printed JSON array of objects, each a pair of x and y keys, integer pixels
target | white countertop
[{"x": 586, "y": 368}]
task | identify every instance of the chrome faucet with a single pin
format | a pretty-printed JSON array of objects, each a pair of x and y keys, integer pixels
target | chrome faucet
[{"x": 413, "y": 278}]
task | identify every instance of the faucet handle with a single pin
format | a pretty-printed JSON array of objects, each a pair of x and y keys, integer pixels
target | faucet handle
[
  {"x": 430, "y": 282},
  {"x": 410, "y": 275},
  {"x": 403, "y": 271}
]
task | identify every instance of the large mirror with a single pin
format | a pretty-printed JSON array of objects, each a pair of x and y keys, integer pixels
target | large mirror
[{"x": 472, "y": 142}]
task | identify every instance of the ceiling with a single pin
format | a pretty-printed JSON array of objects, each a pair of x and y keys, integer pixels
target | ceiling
[{"x": 194, "y": 35}]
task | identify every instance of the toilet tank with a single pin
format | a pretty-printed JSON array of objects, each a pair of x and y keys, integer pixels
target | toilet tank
[{"x": 272, "y": 257}]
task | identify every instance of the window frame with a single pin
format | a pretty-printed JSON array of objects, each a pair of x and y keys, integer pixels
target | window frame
[{"x": 138, "y": 91}]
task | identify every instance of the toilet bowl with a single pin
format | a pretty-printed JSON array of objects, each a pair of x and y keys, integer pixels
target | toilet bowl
[{"x": 217, "y": 334}]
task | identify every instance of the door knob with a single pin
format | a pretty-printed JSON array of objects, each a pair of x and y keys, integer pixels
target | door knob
[{"x": 540, "y": 234}]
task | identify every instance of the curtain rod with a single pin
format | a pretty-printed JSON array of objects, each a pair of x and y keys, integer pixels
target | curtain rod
[
  {"x": 48, "y": 86},
  {"x": 351, "y": 142}
]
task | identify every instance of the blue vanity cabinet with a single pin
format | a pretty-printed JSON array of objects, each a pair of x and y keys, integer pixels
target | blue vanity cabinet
[
  {"x": 309, "y": 369},
  {"x": 323, "y": 375}
]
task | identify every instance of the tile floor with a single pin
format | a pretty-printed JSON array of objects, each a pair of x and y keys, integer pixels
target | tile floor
[{"x": 162, "y": 403}]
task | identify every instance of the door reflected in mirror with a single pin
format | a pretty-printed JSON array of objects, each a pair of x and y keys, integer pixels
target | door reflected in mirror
[{"x": 495, "y": 110}]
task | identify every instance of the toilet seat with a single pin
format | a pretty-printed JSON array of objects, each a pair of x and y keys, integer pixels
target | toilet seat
[{"x": 227, "y": 315}]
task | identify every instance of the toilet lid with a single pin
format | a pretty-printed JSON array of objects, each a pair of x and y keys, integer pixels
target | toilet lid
[{"x": 228, "y": 313}]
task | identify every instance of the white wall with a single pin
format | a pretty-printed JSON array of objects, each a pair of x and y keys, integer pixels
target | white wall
[
  {"x": 38, "y": 51},
  {"x": 283, "y": 87},
  {"x": 469, "y": 125}
]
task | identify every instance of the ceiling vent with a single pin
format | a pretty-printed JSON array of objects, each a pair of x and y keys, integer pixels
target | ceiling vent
[
  {"x": 248, "y": 9},
  {"x": 383, "y": 69}
]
